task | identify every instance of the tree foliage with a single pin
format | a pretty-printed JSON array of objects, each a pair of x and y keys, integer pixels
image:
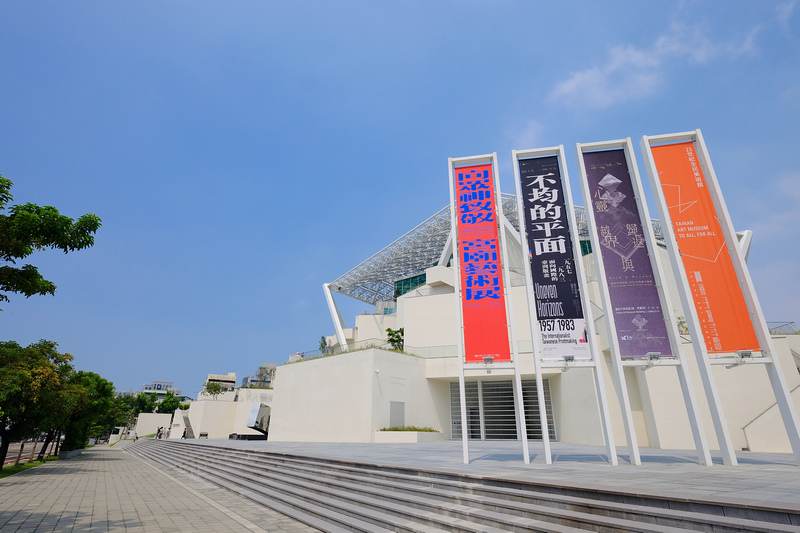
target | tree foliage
[
  {"x": 144, "y": 403},
  {"x": 29, "y": 227},
  {"x": 33, "y": 391},
  {"x": 169, "y": 403},
  {"x": 40, "y": 392},
  {"x": 93, "y": 397},
  {"x": 395, "y": 338},
  {"x": 213, "y": 389}
]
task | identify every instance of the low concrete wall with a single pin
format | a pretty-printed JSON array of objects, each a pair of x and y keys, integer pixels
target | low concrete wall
[
  {"x": 69, "y": 454},
  {"x": 387, "y": 437}
]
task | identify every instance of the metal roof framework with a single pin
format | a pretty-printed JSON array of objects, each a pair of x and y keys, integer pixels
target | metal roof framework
[{"x": 373, "y": 280}]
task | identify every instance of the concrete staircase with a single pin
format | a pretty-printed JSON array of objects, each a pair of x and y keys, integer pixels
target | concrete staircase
[{"x": 335, "y": 496}]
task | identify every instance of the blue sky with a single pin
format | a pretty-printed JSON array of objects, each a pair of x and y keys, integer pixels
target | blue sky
[{"x": 243, "y": 153}]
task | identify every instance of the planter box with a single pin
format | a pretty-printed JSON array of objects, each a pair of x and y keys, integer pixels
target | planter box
[{"x": 384, "y": 437}]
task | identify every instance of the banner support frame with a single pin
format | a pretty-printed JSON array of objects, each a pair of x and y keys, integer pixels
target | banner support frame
[
  {"x": 687, "y": 389},
  {"x": 774, "y": 372},
  {"x": 535, "y": 338},
  {"x": 692, "y": 320},
  {"x": 460, "y": 344},
  {"x": 539, "y": 363},
  {"x": 518, "y": 397},
  {"x": 613, "y": 342},
  {"x": 510, "y": 331}
]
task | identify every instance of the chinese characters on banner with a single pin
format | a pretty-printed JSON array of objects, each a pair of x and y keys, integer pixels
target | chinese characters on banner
[
  {"x": 721, "y": 309},
  {"x": 635, "y": 303},
  {"x": 555, "y": 280},
  {"x": 482, "y": 295}
]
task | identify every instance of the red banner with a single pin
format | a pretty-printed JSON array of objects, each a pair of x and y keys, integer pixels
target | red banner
[
  {"x": 724, "y": 317},
  {"x": 482, "y": 295}
]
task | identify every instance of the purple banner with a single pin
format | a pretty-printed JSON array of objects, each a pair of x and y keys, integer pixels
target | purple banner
[{"x": 629, "y": 275}]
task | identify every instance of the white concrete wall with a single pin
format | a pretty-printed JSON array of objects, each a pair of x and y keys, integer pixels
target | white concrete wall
[
  {"x": 373, "y": 328},
  {"x": 575, "y": 408},
  {"x": 226, "y": 415},
  {"x": 245, "y": 401},
  {"x": 430, "y": 318},
  {"x": 148, "y": 423},
  {"x": 346, "y": 397},
  {"x": 327, "y": 399},
  {"x": 177, "y": 424},
  {"x": 214, "y": 417}
]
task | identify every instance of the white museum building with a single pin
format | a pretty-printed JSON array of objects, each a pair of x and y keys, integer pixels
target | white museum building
[{"x": 363, "y": 385}]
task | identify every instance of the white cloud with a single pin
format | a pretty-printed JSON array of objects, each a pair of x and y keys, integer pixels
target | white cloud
[
  {"x": 632, "y": 72},
  {"x": 628, "y": 73},
  {"x": 527, "y": 136},
  {"x": 785, "y": 13}
]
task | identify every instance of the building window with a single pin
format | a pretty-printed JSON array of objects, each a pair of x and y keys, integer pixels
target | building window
[{"x": 403, "y": 286}]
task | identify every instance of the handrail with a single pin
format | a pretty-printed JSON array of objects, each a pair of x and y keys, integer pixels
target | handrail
[{"x": 767, "y": 409}]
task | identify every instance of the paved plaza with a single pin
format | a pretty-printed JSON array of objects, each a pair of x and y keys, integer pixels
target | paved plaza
[{"x": 106, "y": 489}]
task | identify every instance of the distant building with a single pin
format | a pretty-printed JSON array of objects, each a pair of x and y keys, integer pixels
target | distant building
[
  {"x": 160, "y": 389},
  {"x": 228, "y": 381},
  {"x": 254, "y": 382},
  {"x": 234, "y": 413}
]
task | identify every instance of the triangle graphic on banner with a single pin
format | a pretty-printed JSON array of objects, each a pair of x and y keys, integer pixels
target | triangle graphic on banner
[{"x": 681, "y": 206}]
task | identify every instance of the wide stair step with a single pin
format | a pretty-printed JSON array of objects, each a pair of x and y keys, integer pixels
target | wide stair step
[{"x": 336, "y": 495}]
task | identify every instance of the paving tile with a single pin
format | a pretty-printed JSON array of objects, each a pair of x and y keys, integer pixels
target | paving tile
[{"x": 106, "y": 489}]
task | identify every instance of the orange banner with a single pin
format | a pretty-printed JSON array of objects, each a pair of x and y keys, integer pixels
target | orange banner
[{"x": 724, "y": 318}]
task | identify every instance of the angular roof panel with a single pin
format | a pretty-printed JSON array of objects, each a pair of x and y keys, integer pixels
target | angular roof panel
[{"x": 373, "y": 280}]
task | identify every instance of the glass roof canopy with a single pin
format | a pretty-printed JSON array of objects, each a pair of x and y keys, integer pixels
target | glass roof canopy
[{"x": 373, "y": 280}]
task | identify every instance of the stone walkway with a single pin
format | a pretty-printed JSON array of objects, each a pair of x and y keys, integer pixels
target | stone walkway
[{"x": 106, "y": 489}]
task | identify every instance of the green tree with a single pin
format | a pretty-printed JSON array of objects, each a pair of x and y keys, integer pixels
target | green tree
[
  {"x": 395, "y": 338},
  {"x": 121, "y": 412},
  {"x": 144, "y": 403},
  {"x": 29, "y": 227},
  {"x": 169, "y": 403},
  {"x": 90, "y": 417},
  {"x": 33, "y": 381},
  {"x": 323, "y": 345},
  {"x": 213, "y": 389}
]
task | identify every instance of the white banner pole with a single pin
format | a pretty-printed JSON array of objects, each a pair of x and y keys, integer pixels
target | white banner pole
[
  {"x": 777, "y": 380},
  {"x": 687, "y": 389},
  {"x": 519, "y": 400},
  {"x": 461, "y": 385},
  {"x": 591, "y": 333},
  {"x": 536, "y": 341}
]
